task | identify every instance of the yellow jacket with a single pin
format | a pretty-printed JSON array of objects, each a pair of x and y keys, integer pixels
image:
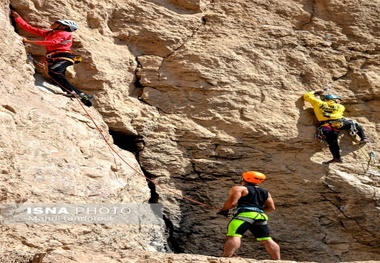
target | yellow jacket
[{"x": 324, "y": 110}]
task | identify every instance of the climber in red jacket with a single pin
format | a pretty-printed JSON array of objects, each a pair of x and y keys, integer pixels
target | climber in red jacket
[{"x": 58, "y": 42}]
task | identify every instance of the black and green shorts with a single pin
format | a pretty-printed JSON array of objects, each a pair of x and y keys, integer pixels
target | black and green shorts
[{"x": 237, "y": 227}]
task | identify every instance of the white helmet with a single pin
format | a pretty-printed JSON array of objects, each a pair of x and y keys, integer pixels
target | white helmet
[{"x": 73, "y": 26}]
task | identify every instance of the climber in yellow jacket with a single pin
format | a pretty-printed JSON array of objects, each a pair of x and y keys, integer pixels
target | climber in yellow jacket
[{"x": 329, "y": 112}]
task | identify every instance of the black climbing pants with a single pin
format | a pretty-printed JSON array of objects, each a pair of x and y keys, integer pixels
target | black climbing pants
[
  {"x": 57, "y": 71},
  {"x": 332, "y": 141},
  {"x": 332, "y": 136}
]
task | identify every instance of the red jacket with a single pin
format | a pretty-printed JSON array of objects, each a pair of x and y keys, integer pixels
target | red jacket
[{"x": 54, "y": 40}]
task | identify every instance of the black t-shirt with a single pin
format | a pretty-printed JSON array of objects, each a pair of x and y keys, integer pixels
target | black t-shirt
[{"x": 256, "y": 197}]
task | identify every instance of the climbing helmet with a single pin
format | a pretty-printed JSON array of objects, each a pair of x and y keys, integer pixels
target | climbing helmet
[
  {"x": 253, "y": 177},
  {"x": 331, "y": 97},
  {"x": 72, "y": 25}
]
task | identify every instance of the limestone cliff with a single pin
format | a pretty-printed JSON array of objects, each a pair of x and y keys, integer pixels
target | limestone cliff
[{"x": 190, "y": 94}]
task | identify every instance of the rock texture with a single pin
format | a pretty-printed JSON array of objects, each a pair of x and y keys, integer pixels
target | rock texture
[{"x": 190, "y": 94}]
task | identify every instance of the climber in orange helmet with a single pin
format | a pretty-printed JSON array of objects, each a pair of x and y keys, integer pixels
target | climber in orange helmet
[{"x": 251, "y": 202}]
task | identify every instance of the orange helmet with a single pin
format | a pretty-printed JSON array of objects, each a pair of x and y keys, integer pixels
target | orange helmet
[{"x": 253, "y": 177}]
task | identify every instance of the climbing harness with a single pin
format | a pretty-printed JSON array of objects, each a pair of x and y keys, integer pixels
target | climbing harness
[
  {"x": 319, "y": 135},
  {"x": 65, "y": 55},
  {"x": 325, "y": 127},
  {"x": 336, "y": 124},
  {"x": 257, "y": 220},
  {"x": 52, "y": 53},
  {"x": 251, "y": 220},
  {"x": 249, "y": 209}
]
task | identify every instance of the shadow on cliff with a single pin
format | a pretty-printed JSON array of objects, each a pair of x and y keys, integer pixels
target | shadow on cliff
[
  {"x": 201, "y": 231},
  {"x": 46, "y": 84}
]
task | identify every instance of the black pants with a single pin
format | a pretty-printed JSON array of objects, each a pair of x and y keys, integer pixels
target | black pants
[
  {"x": 332, "y": 136},
  {"x": 57, "y": 71}
]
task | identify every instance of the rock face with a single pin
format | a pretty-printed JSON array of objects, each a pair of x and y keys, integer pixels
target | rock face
[{"x": 190, "y": 94}]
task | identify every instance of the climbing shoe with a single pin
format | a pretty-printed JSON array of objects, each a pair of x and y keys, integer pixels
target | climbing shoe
[
  {"x": 364, "y": 141},
  {"x": 335, "y": 160},
  {"x": 86, "y": 99}
]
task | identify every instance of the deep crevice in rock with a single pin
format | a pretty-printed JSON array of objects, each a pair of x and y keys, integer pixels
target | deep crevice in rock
[
  {"x": 173, "y": 245},
  {"x": 172, "y": 241},
  {"x": 135, "y": 144},
  {"x": 154, "y": 196},
  {"x": 138, "y": 89},
  {"x": 130, "y": 143}
]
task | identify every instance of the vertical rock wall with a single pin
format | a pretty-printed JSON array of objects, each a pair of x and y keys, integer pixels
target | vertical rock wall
[{"x": 209, "y": 89}]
